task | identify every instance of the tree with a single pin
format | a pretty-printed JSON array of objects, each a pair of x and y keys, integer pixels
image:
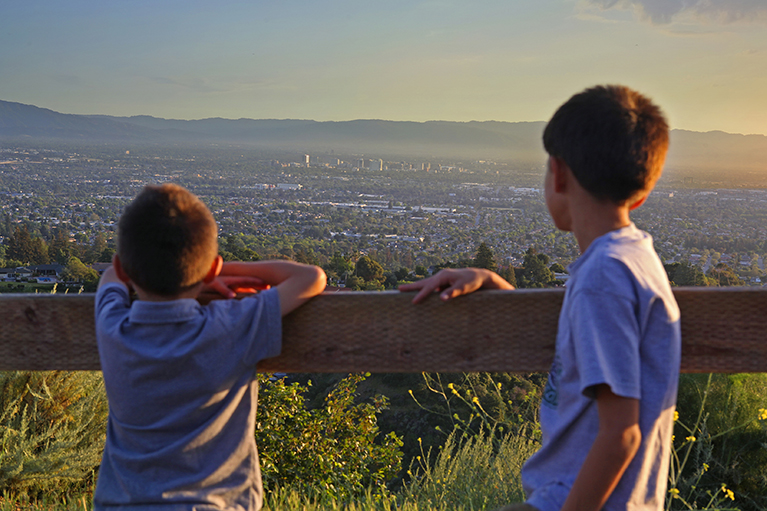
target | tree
[
  {"x": 339, "y": 267},
  {"x": 509, "y": 275},
  {"x": 59, "y": 250},
  {"x": 76, "y": 271},
  {"x": 557, "y": 268},
  {"x": 38, "y": 251},
  {"x": 402, "y": 274},
  {"x": 93, "y": 254},
  {"x": 485, "y": 258},
  {"x": 234, "y": 249},
  {"x": 534, "y": 272},
  {"x": 685, "y": 274},
  {"x": 368, "y": 269},
  {"x": 20, "y": 245},
  {"x": 725, "y": 276}
]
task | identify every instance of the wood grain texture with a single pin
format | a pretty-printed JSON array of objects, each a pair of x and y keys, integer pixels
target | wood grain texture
[{"x": 723, "y": 330}]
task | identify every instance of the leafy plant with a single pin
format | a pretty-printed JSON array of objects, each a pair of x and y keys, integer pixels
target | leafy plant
[{"x": 335, "y": 449}]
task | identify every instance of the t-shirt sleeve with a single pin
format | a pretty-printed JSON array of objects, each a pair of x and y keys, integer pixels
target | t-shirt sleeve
[
  {"x": 606, "y": 337},
  {"x": 264, "y": 330},
  {"x": 111, "y": 296}
]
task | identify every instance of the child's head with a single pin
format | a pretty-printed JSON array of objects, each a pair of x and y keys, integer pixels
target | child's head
[
  {"x": 166, "y": 240},
  {"x": 613, "y": 139}
]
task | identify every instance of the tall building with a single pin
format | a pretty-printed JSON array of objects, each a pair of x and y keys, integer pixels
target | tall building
[
  {"x": 376, "y": 164},
  {"x": 307, "y": 160}
]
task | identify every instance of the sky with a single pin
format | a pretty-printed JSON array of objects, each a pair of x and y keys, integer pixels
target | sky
[{"x": 703, "y": 61}]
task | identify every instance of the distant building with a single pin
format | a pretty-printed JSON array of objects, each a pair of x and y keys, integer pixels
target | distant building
[
  {"x": 376, "y": 164},
  {"x": 307, "y": 160},
  {"x": 288, "y": 186}
]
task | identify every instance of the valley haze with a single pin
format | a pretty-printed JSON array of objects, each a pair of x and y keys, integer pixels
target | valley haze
[{"x": 691, "y": 152}]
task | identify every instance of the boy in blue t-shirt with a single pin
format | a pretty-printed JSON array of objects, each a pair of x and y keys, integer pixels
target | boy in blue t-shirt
[
  {"x": 608, "y": 406},
  {"x": 180, "y": 376}
]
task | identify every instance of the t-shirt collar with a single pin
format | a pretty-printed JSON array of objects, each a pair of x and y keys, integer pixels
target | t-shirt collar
[{"x": 629, "y": 230}]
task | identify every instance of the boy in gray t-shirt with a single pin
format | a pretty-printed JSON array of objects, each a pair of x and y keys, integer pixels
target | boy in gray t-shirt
[
  {"x": 607, "y": 410},
  {"x": 180, "y": 376}
]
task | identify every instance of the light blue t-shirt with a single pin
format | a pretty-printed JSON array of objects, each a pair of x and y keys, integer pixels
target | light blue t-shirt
[
  {"x": 619, "y": 326},
  {"x": 180, "y": 379}
]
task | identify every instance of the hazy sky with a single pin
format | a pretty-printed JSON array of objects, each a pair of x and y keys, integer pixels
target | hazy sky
[{"x": 704, "y": 61}]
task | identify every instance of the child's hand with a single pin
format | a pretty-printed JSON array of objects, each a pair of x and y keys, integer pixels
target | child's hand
[
  {"x": 456, "y": 282},
  {"x": 230, "y": 286}
]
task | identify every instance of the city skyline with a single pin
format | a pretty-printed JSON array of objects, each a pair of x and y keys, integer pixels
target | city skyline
[{"x": 704, "y": 62}]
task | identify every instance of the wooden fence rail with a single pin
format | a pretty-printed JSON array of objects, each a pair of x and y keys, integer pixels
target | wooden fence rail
[{"x": 723, "y": 330}]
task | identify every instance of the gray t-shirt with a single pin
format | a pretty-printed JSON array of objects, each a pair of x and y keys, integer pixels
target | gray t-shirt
[
  {"x": 619, "y": 326},
  {"x": 180, "y": 378}
]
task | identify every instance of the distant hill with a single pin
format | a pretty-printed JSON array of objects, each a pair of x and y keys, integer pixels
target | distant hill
[{"x": 691, "y": 152}]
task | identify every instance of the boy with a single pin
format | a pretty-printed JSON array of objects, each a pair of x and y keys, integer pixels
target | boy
[
  {"x": 180, "y": 377},
  {"x": 607, "y": 410}
]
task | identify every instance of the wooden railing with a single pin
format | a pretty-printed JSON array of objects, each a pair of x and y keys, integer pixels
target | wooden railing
[{"x": 723, "y": 330}]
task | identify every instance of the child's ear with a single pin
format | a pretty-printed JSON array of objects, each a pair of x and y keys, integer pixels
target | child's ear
[
  {"x": 638, "y": 202},
  {"x": 215, "y": 269},
  {"x": 117, "y": 265},
  {"x": 559, "y": 173}
]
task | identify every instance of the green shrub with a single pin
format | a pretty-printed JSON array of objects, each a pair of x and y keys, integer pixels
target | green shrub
[
  {"x": 333, "y": 449},
  {"x": 52, "y": 430}
]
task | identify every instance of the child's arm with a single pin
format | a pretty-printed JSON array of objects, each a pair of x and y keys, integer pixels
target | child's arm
[
  {"x": 613, "y": 449},
  {"x": 109, "y": 276},
  {"x": 456, "y": 282},
  {"x": 295, "y": 282}
]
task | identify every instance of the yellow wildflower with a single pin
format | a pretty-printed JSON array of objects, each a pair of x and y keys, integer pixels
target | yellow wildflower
[
  {"x": 705, "y": 467},
  {"x": 763, "y": 414},
  {"x": 676, "y": 416},
  {"x": 728, "y": 492},
  {"x": 674, "y": 493},
  {"x": 475, "y": 400},
  {"x": 690, "y": 438}
]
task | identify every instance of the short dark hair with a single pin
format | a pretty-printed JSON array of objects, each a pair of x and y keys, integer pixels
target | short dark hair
[
  {"x": 614, "y": 140},
  {"x": 166, "y": 239}
]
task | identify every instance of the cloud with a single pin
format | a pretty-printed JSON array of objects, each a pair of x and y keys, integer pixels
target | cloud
[{"x": 664, "y": 11}]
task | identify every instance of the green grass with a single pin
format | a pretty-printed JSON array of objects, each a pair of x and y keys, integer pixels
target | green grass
[
  {"x": 31, "y": 287},
  {"x": 71, "y": 503}
]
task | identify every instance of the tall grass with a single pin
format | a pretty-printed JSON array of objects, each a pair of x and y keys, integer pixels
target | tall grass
[{"x": 52, "y": 431}]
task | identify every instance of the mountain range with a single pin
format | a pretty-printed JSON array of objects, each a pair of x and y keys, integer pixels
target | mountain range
[{"x": 504, "y": 141}]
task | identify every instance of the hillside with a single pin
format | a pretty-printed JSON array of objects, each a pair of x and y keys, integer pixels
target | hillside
[{"x": 692, "y": 153}]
